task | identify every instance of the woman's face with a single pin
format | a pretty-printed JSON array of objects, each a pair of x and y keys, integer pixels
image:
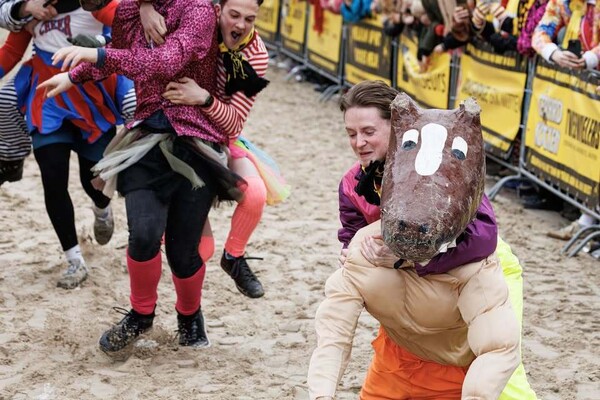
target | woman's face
[
  {"x": 236, "y": 20},
  {"x": 369, "y": 134}
]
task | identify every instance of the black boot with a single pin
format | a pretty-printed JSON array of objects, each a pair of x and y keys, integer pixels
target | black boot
[
  {"x": 11, "y": 171},
  {"x": 191, "y": 330},
  {"x": 245, "y": 280},
  {"x": 126, "y": 331}
]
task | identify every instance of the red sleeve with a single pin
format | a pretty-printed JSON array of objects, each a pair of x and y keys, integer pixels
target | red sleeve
[
  {"x": 107, "y": 14},
  {"x": 13, "y": 50}
]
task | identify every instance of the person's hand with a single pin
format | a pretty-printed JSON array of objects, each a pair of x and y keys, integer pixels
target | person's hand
[
  {"x": 73, "y": 55},
  {"x": 342, "y": 257},
  {"x": 408, "y": 19},
  {"x": 479, "y": 14},
  {"x": 57, "y": 84},
  {"x": 36, "y": 9},
  {"x": 186, "y": 91},
  {"x": 30, "y": 26},
  {"x": 396, "y": 18},
  {"x": 424, "y": 64},
  {"x": 439, "y": 48},
  {"x": 375, "y": 251},
  {"x": 461, "y": 15},
  {"x": 154, "y": 25},
  {"x": 566, "y": 59}
]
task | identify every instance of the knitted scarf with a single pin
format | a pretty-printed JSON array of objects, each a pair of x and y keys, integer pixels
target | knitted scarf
[
  {"x": 369, "y": 185},
  {"x": 239, "y": 73}
]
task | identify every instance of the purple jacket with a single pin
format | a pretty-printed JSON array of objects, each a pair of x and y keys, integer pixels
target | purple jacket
[
  {"x": 190, "y": 49},
  {"x": 477, "y": 242},
  {"x": 355, "y": 212}
]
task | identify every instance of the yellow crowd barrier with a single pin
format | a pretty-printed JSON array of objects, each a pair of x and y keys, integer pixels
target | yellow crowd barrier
[
  {"x": 555, "y": 111},
  {"x": 562, "y": 136},
  {"x": 293, "y": 28},
  {"x": 430, "y": 87},
  {"x": 498, "y": 84}
]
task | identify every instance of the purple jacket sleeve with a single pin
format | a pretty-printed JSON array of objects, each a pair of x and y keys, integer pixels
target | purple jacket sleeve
[
  {"x": 350, "y": 217},
  {"x": 477, "y": 242}
]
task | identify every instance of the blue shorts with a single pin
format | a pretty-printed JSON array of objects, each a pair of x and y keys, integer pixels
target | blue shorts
[{"x": 72, "y": 136}]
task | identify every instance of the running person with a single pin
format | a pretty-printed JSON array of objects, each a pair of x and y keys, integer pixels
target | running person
[
  {"x": 15, "y": 15},
  {"x": 82, "y": 120},
  {"x": 241, "y": 68},
  {"x": 182, "y": 168}
]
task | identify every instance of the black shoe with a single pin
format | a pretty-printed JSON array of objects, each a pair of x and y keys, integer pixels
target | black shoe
[
  {"x": 126, "y": 331},
  {"x": 541, "y": 203},
  {"x": 11, "y": 171},
  {"x": 191, "y": 330},
  {"x": 244, "y": 278}
]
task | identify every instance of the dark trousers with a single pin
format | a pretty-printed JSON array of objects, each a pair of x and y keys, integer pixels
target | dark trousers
[{"x": 181, "y": 217}]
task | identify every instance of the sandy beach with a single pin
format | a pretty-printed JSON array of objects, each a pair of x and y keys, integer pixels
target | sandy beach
[{"x": 260, "y": 348}]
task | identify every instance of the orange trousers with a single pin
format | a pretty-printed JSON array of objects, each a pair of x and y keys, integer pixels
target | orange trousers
[{"x": 396, "y": 374}]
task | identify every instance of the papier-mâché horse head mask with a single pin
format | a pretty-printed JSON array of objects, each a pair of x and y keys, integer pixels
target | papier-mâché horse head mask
[{"x": 434, "y": 177}]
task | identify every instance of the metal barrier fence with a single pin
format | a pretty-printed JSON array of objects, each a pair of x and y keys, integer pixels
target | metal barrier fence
[{"x": 545, "y": 114}]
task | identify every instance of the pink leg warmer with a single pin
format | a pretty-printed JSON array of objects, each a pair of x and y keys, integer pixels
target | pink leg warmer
[
  {"x": 143, "y": 280},
  {"x": 246, "y": 216},
  {"x": 189, "y": 292},
  {"x": 206, "y": 248}
]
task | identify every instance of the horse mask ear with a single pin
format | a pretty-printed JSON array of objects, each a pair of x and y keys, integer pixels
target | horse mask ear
[{"x": 433, "y": 179}]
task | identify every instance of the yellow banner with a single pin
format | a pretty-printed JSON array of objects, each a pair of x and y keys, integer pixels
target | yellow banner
[
  {"x": 368, "y": 52},
  {"x": 267, "y": 20},
  {"x": 431, "y": 88},
  {"x": 562, "y": 136},
  {"x": 498, "y": 84},
  {"x": 294, "y": 27},
  {"x": 324, "y": 49}
]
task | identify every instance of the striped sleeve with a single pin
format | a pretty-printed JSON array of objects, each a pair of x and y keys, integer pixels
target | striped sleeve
[
  {"x": 546, "y": 30},
  {"x": 232, "y": 115},
  {"x": 8, "y": 18}
]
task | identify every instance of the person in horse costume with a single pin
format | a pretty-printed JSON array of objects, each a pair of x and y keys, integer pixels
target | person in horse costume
[{"x": 450, "y": 335}]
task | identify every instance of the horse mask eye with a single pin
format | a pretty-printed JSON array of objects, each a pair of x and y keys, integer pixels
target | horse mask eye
[
  {"x": 410, "y": 139},
  {"x": 459, "y": 148}
]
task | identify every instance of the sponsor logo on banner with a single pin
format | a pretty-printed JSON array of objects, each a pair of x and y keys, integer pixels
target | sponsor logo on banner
[
  {"x": 497, "y": 82},
  {"x": 562, "y": 136},
  {"x": 369, "y": 52}
]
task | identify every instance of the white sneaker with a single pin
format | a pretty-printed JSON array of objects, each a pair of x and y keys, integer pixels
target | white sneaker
[
  {"x": 76, "y": 273},
  {"x": 104, "y": 224}
]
